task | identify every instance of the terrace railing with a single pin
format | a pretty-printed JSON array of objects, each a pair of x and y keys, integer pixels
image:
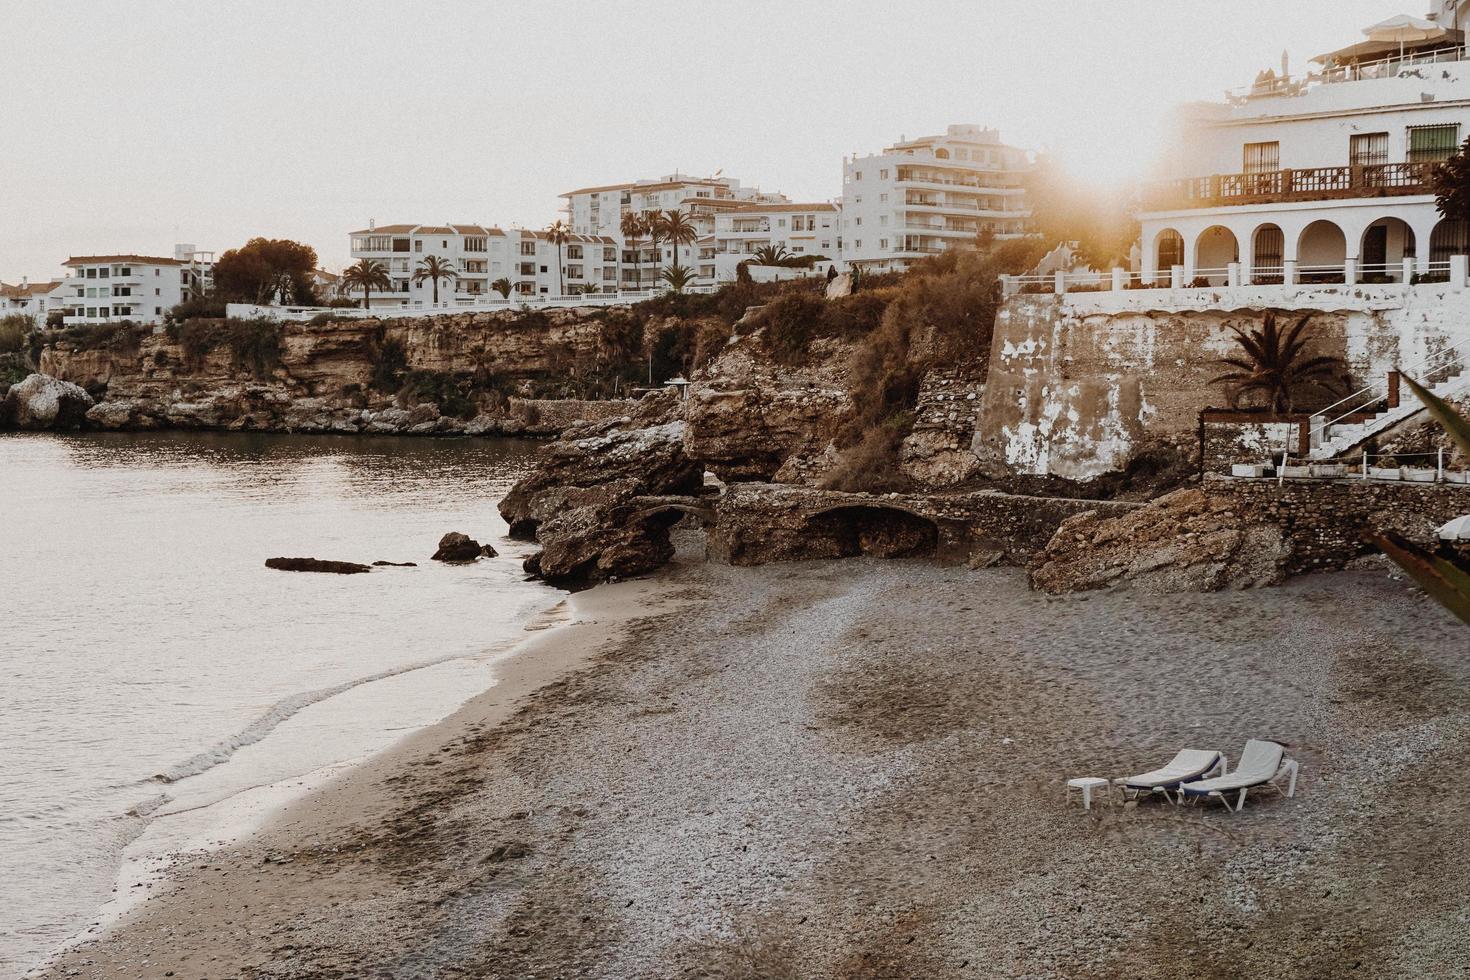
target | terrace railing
[{"x": 1286, "y": 186}]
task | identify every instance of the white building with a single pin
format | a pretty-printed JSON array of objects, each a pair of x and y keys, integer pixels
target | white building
[
  {"x": 1320, "y": 176},
  {"x": 482, "y": 256},
  {"x": 140, "y": 288},
  {"x": 919, "y": 197},
  {"x": 800, "y": 229},
  {"x": 598, "y": 211},
  {"x": 33, "y": 300}
]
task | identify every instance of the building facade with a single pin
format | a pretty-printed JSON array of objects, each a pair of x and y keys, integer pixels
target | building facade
[
  {"x": 483, "y": 256},
  {"x": 800, "y": 229},
  {"x": 140, "y": 288},
  {"x": 920, "y": 197},
  {"x": 33, "y": 300},
  {"x": 1316, "y": 177}
]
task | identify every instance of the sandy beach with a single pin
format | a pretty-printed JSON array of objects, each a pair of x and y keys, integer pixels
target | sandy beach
[{"x": 855, "y": 769}]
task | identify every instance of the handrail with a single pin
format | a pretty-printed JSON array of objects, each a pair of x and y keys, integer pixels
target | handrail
[
  {"x": 1427, "y": 363},
  {"x": 1297, "y": 84}
]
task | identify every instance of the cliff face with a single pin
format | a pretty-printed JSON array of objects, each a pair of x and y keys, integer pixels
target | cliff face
[{"x": 471, "y": 373}]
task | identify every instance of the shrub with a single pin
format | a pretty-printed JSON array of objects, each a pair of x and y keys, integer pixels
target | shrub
[
  {"x": 389, "y": 362},
  {"x": 788, "y": 323},
  {"x": 196, "y": 338},
  {"x": 14, "y": 331},
  {"x": 454, "y": 395},
  {"x": 199, "y": 307},
  {"x": 871, "y": 465},
  {"x": 255, "y": 345},
  {"x": 119, "y": 336}
]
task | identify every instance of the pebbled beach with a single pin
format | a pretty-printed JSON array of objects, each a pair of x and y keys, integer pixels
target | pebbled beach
[{"x": 855, "y": 769}]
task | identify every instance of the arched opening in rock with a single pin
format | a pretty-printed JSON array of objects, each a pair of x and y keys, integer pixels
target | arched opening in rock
[{"x": 882, "y": 532}]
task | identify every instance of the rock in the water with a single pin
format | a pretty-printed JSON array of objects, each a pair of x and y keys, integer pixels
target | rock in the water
[
  {"x": 42, "y": 402},
  {"x": 488, "y": 552},
  {"x": 397, "y": 564},
  {"x": 316, "y": 565},
  {"x": 1186, "y": 541},
  {"x": 582, "y": 504},
  {"x": 457, "y": 547}
]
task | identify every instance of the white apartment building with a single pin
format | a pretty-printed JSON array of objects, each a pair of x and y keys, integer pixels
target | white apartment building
[
  {"x": 919, "y": 197},
  {"x": 140, "y": 288},
  {"x": 482, "y": 256},
  {"x": 33, "y": 300},
  {"x": 801, "y": 229},
  {"x": 598, "y": 211},
  {"x": 1320, "y": 176}
]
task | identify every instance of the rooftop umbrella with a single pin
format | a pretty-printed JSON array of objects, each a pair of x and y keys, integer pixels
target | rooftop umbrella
[
  {"x": 1404, "y": 29},
  {"x": 1456, "y": 530}
]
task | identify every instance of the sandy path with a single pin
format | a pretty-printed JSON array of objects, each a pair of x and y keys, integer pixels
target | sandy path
[{"x": 854, "y": 769}]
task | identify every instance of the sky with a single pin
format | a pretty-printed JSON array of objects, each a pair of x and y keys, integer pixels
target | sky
[{"x": 135, "y": 124}]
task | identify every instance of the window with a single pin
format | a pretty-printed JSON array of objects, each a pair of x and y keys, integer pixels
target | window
[
  {"x": 883, "y": 174},
  {"x": 1368, "y": 149},
  {"x": 122, "y": 290},
  {"x": 882, "y": 243},
  {"x": 883, "y": 198},
  {"x": 574, "y": 251},
  {"x": 858, "y": 221},
  {"x": 1262, "y": 158},
  {"x": 883, "y": 220},
  {"x": 857, "y": 243},
  {"x": 103, "y": 272},
  {"x": 474, "y": 244},
  {"x": 157, "y": 310},
  {"x": 157, "y": 292},
  {"x": 400, "y": 244},
  {"x": 125, "y": 271},
  {"x": 378, "y": 243},
  {"x": 443, "y": 243},
  {"x": 609, "y": 254},
  {"x": 1433, "y": 144},
  {"x": 857, "y": 175},
  {"x": 543, "y": 268},
  {"x": 418, "y": 245},
  {"x": 91, "y": 274},
  {"x": 91, "y": 311},
  {"x": 528, "y": 268},
  {"x": 574, "y": 272},
  {"x": 781, "y": 223},
  {"x": 528, "y": 248}
]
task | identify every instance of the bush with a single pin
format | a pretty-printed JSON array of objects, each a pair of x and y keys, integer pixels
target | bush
[
  {"x": 14, "y": 331},
  {"x": 390, "y": 360},
  {"x": 454, "y": 395},
  {"x": 200, "y": 307},
  {"x": 788, "y": 324},
  {"x": 118, "y": 336},
  {"x": 871, "y": 465},
  {"x": 255, "y": 345}
]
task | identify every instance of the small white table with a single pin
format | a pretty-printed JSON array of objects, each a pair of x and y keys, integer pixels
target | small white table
[{"x": 1087, "y": 784}]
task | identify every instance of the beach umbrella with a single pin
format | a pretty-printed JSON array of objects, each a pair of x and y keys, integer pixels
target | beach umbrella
[
  {"x": 1404, "y": 29},
  {"x": 1456, "y": 530}
]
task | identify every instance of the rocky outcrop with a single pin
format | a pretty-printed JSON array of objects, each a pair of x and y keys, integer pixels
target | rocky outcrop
[
  {"x": 42, "y": 402},
  {"x": 757, "y": 523},
  {"x": 752, "y": 419},
  {"x": 582, "y": 505},
  {"x": 1186, "y": 541},
  {"x": 316, "y": 565},
  {"x": 469, "y": 374},
  {"x": 457, "y": 548}
]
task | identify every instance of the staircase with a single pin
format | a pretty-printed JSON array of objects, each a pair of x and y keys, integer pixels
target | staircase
[{"x": 1332, "y": 435}]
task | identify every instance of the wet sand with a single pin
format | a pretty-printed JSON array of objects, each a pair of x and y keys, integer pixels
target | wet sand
[{"x": 855, "y": 769}]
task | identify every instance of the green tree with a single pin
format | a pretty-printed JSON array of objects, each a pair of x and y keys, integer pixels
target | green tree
[
  {"x": 1275, "y": 363},
  {"x": 366, "y": 275},
  {"x": 770, "y": 255},
  {"x": 677, "y": 277},
  {"x": 1450, "y": 182},
  {"x": 559, "y": 234},
  {"x": 433, "y": 269},
  {"x": 267, "y": 269},
  {"x": 502, "y": 286},
  {"x": 678, "y": 229},
  {"x": 653, "y": 227},
  {"x": 631, "y": 225}
]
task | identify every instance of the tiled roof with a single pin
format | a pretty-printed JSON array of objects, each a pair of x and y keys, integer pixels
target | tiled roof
[
  {"x": 429, "y": 230},
  {"x": 139, "y": 259},
  {"x": 662, "y": 185},
  {"x": 385, "y": 230},
  {"x": 23, "y": 290},
  {"x": 773, "y": 208}
]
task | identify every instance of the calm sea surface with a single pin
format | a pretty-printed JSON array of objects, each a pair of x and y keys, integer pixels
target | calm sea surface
[{"x": 153, "y": 672}]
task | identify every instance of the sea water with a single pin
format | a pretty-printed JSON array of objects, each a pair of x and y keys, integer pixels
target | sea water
[{"x": 155, "y": 676}]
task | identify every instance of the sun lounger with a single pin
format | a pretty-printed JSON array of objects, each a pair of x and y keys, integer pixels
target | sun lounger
[
  {"x": 1260, "y": 764},
  {"x": 1187, "y": 766}
]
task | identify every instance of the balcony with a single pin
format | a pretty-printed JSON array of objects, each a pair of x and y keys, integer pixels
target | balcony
[{"x": 1290, "y": 186}]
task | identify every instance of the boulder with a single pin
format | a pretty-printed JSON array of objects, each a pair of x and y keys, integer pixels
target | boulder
[
  {"x": 397, "y": 564},
  {"x": 42, "y": 402},
  {"x": 458, "y": 548},
  {"x": 316, "y": 565},
  {"x": 1186, "y": 541},
  {"x": 582, "y": 503}
]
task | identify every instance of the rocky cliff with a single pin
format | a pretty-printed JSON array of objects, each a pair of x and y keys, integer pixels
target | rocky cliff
[{"x": 504, "y": 372}]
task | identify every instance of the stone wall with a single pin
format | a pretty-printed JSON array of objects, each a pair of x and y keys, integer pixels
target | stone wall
[
  {"x": 1076, "y": 382},
  {"x": 758, "y": 523},
  {"x": 1325, "y": 521},
  {"x": 1238, "y": 437}
]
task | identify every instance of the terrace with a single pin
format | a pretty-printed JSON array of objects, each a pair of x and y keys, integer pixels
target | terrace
[{"x": 1290, "y": 186}]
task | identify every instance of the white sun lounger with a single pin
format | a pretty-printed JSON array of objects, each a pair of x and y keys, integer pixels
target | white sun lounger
[
  {"x": 1260, "y": 764},
  {"x": 1188, "y": 765}
]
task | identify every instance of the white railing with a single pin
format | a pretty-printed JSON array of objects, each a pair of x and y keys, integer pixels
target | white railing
[
  {"x": 1454, "y": 271},
  {"x": 444, "y": 308},
  {"x": 1442, "y": 362},
  {"x": 1389, "y": 67}
]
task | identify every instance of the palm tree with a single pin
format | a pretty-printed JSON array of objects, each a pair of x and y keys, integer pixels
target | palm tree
[
  {"x": 677, "y": 277},
  {"x": 678, "y": 230},
  {"x": 770, "y": 255},
  {"x": 1273, "y": 362},
  {"x": 653, "y": 227},
  {"x": 559, "y": 234},
  {"x": 434, "y": 268},
  {"x": 502, "y": 286},
  {"x": 632, "y": 228},
  {"x": 366, "y": 275}
]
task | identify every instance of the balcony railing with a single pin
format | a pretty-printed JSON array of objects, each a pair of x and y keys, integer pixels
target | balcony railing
[
  {"x": 1390, "y": 67},
  {"x": 1284, "y": 186}
]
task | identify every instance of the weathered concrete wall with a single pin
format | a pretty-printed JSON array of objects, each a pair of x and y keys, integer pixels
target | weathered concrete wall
[
  {"x": 758, "y": 523},
  {"x": 1242, "y": 439},
  {"x": 1077, "y": 381}
]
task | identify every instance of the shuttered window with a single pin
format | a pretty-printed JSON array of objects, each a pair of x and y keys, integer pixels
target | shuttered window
[
  {"x": 1431, "y": 144},
  {"x": 1262, "y": 158},
  {"x": 1368, "y": 149}
]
